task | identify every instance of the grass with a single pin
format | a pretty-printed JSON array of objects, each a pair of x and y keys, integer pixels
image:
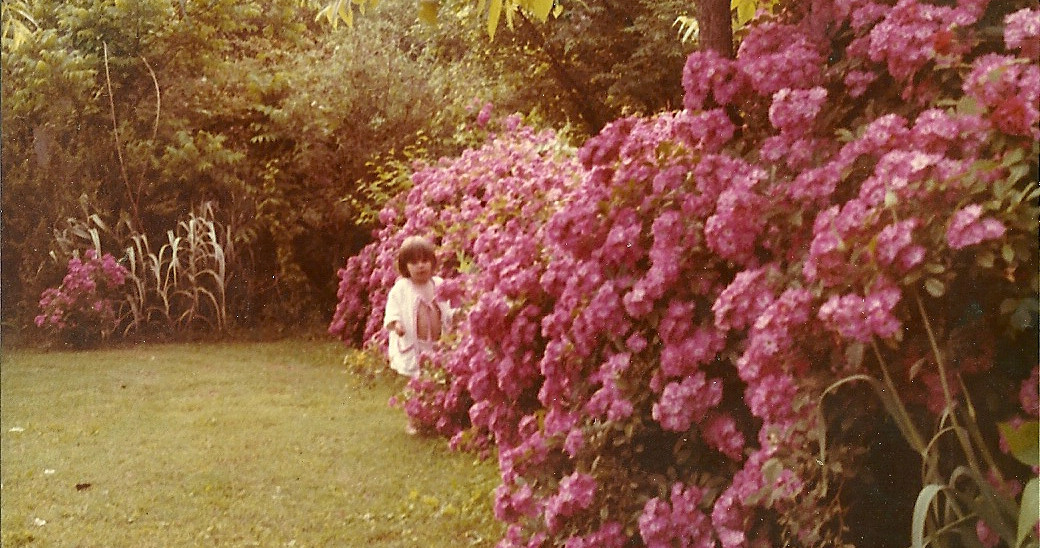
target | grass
[{"x": 249, "y": 444}]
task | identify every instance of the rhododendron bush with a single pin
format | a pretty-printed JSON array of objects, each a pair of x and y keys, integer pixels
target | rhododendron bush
[
  {"x": 655, "y": 328},
  {"x": 82, "y": 310}
]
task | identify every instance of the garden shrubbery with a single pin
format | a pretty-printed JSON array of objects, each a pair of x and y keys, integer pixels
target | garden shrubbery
[{"x": 658, "y": 325}]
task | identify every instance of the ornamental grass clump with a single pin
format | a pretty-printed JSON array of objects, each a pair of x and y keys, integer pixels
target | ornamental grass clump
[
  {"x": 82, "y": 310},
  {"x": 705, "y": 339}
]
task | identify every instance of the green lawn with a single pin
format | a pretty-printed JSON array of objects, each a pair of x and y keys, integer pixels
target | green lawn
[{"x": 258, "y": 444}]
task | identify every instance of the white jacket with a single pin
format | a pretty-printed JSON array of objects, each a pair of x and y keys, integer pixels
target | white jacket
[{"x": 401, "y": 306}]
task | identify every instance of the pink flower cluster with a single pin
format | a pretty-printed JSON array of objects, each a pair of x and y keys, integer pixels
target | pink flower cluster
[
  {"x": 776, "y": 56},
  {"x": 1022, "y": 32},
  {"x": 575, "y": 493},
  {"x": 914, "y": 34},
  {"x": 85, "y": 299},
  {"x": 1010, "y": 90},
  {"x": 648, "y": 321},
  {"x": 863, "y": 318},
  {"x": 968, "y": 227},
  {"x": 676, "y": 521}
]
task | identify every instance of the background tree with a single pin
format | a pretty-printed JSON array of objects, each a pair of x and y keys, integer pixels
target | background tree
[
  {"x": 139, "y": 111},
  {"x": 133, "y": 113}
]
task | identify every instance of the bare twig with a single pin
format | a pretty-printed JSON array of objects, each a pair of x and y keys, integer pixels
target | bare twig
[
  {"x": 158, "y": 98},
  {"x": 119, "y": 144}
]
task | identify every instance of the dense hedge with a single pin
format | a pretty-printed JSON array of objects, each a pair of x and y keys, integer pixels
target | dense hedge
[{"x": 704, "y": 327}]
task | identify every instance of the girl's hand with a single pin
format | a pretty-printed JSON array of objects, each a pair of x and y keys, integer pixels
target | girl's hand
[{"x": 396, "y": 327}]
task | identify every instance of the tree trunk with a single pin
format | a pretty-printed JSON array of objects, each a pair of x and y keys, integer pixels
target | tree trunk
[{"x": 716, "y": 26}]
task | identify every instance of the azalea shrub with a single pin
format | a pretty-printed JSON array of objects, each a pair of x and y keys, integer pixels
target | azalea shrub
[
  {"x": 689, "y": 331},
  {"x": 83, "y": 308},
  {"x": 489, "y": 254}
]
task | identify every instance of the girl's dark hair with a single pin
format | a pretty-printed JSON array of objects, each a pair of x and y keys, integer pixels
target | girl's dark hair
[{"x": 415, "y": 249}]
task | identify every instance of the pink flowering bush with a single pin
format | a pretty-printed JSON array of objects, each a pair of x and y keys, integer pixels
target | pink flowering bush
[
  {"x": 485, "y": 210},
  {"x": 657, "y": 327},
  {"x": 83, "y": 308}
]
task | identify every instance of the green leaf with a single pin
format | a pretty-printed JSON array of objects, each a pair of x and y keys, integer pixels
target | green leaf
[
  {"x": 346, "y": 13},
  {"x": 996, "y": 509},
  {"x": 745, "y": 10},
  {"x": 915, "y": 369},
  {"x": 854, "y": 355},
  {"x": 920, "y": 517},
  {"x": 428, "y": 11},
  {"x": 1013, "y": 157},
  {"x": 1008, "y": 253},
  {"x": 540, "y": 9},
  {"x": 1029, "y": 513},
  {"x": 771, "y": 470},
  {"x": 968, "y": 106},
  {"x": 689, "y": 28},
  {"x": 935, "y": 268},
  {"x": 1023, "y": 440},
  {"x": 1016, "y": 172},
  {"x": 494, "y": 14},
  {"x": 934, "y": 287}
]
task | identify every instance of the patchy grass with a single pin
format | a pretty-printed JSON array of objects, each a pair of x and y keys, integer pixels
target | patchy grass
[{"x": 259, "y": 444}]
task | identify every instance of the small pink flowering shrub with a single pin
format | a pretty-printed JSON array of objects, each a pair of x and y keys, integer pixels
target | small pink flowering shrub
[
  {"x": 657, "y": 333},
  {"x": 83, "y": 308}
]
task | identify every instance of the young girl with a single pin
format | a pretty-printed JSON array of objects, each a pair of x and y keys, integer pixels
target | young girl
[{"x": 414, "y": 317}]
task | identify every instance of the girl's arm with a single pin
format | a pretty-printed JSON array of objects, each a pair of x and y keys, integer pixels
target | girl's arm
[{"x": 392, "y": 316}]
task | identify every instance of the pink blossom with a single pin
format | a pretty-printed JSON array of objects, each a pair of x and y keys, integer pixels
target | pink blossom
[
  {"x": 512, "y": 503},
  {"x": 938, "y": 131},
  {"x": 895, "y": 246},
  {"x": 1022, "y": 32},
  {"x": 770, "y": 397},
  {"x": 857, "y": 81},
  {"x": 734, "y": 228},
  {"x": 86, "y": 296},
  {"x": 861, "y": 13},
  {"x": 1029, "y": 394},
  {"x": 676, "y": 521},
  {"x": 720, "y": 431},
  {"x": 687, "y": 401},
  {"x": 610, "y": 403},
  {"x": 1010, "y": 90},
  {"x": 575, "y": 494},
  {"x": 710, "y": 80},
  {"x": 611, "y": 535},
  {"x": 906, "y": 38},
  {"x": 793, "y": 111},
  {"x": 574, "y": 442},
  {"x": 776, "y": 56},
  {"x": 986, "y": 536},
  {"x": 744, "y": 299},
  {"x": 862, "y": 318},
  {"x": 967, "y": 228}
]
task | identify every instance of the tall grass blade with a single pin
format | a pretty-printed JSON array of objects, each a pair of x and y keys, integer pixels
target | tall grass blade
[
  {"x": 1029, "y": 514},
  {"x": 922, "y": 506}
]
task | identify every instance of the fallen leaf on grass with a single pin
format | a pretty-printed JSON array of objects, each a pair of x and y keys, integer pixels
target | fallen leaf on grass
[
  {"x": 82, "y": 486},
  {"x": 17, "y": 429}
]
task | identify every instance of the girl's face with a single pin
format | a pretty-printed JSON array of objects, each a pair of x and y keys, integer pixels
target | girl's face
[{"x": 420, "y": 270}]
